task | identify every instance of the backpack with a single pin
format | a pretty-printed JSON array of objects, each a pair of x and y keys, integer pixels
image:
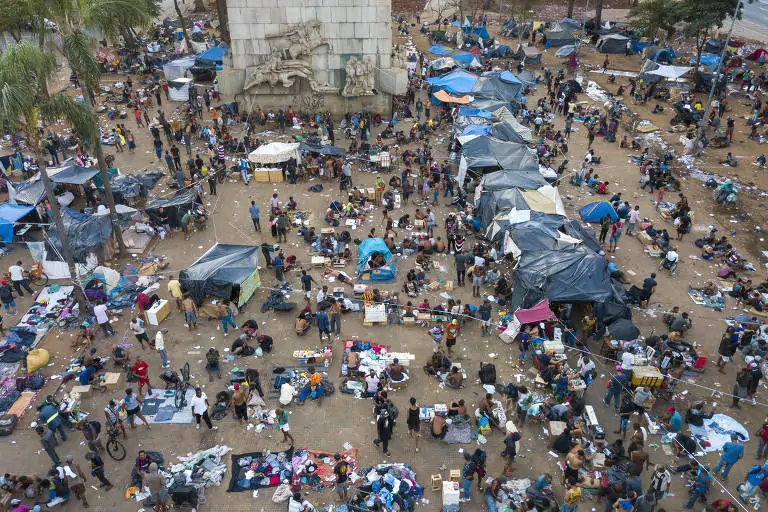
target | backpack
[
  {"x": 487, "y": 373},
  {"x": 96, "y": 426},
  {"x": 60, "y": 486}
]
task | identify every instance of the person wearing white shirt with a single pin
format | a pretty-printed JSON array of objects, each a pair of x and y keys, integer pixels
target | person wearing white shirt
[
  {"x": 102, "y": 318},
  {"x": 586, "y": 366},
  {"x": 296, "y": 504},
  {"x": 372, "y": 383},
  {"x": 321, "y": 294},
  {"x": 287, "y": 392},
  {"x": 627, "y": 360},
  {"x": 199, "y": 405},
  {"x": 18, "y": 279},
  {"x": 160, "y": 347}
]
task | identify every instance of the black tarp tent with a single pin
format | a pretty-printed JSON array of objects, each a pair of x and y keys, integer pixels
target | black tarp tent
[
  {"x": 129, "y": 186},
  {"x": 28, "y": 192},
  {"x": 175, "y": 207},
  {"x": 322, "y": 150},
  {"x": 506, "y": 132},
  {"x": 613, "y": 43},
  {"x": 559, "y": 37},
  {"x": 86, "y": 233},
  {"x": 482, "y": 155},
  {"x": 575, "y": 275},
  {"x": 72, "y": 174},
  {"x": 492, "y": 86},
  {"x": 228, "y": 272}
]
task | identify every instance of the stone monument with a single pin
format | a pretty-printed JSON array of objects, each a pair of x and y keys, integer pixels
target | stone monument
[{"x": 341, "y": 49}]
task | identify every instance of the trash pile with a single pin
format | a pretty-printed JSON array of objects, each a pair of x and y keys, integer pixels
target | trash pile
[{"x": 386, "y": 487}]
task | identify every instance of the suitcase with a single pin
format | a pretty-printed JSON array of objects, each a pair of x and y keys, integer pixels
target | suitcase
[{"x": 8, "y": 424}]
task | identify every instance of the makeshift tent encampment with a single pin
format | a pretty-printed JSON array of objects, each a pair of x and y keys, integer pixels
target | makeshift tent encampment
[
  {"x": 72, "y": 174},
  {"x": 706, "y": 59},
  {"x": 439, "y": 49},
  {"x": 274, "y": 152},
  {"x": 9, "y": 214},
  {"x": 594, "y": 212},
  {"x": 500, "y": 51},
  {"x": 670, "y": 72},
  {"x": 176, "y": 68},
  {"x": 383, "y": 271},
  {"x": 613, "y": 43},
  {"x": 130, "y": 186},
  {"x": 228, "y": 272},
  {"x": 175, "y": 207}
]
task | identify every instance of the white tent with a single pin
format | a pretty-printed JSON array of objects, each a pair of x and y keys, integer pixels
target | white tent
[
  {"x": 178, "y": 89},
  {"x": 275, "y": 152}
]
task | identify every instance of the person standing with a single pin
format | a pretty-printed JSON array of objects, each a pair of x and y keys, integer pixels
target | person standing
[
  {"x": 169, "y": 162},
  {"x": 419, "y": 108},
  {"x": 160, "y": 347},
  {"x": 97, "y": 469},
  {"x": 467, "y": 475},
  {"x": 322, "y": 323},
  {"x": 461, "y": 268},
  {"x": 306, "y": 283},
  {"x": 346, "y": 169},
  {"x": 225, "y": 314},
  {"x": 649, "y": 287},
  {"x": 75, "y": 477},
  {"x": 102, "y": 318},
  {"x": 615, "y": 389},
  {"x": 384, "y": 429},
  {"x": 255, "y": 212},
  {"x": 605, "y": 225},
  {"x": 342, "y": 480},
  {"x": 190, "y": 311},
  {"x": 732, "y": 452},
  {"x": 282, "y": 424},
  {"x": 158, "y": 491},
  {"x": 91, "y": 432},
  {"x": 661, "y": 480},
  {"x": 414, "y": 423},
  {"x": 615, "y": 236},
  {"x": 334, "y": 313},
  {"x": 132, "y": 403},
  {"x": 137, "y": 327},
  {"x": 18, "y": 279},
  {"x": 238, "y": 404},
  {"x": 113, "y": 419},
  {"x": 199, "y": 405},
  {"x": 451, "y": 333},
  {"x": 632, "y": 220},
  {"x": 49, "y": 443},
  {"x": 174, "y": 288},
  {"x": 484, "y": 311},
  {"x": 158, "y": 144}
]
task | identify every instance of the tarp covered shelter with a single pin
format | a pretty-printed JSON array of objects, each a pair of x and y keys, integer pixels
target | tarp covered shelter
[
  {"x": 175, "y": 207},
  {"x": 468, "y": 60},
  {"x": 499, "y": 51},
  {"x": 670, "y": 72},
  {"x": 557, "y": 38},
  {"x": 322, "y": 150},
  {"x": 502, "y": 86},
  {"x": 274, "y": 152},
  {"x": 486, "y": 154},
  {"x": 447, "y": 98},
  {"x": 573, "y": 275},
  {"x": 623, "y": 329},
  {"x": 522, "y": 195},
  {"x": 29, "y": 192},
  {"x": 368, "y": 249},
  {"x": 478, "y": 31},
  {"x": 714, "y": 46},
  {"x": 565, "y": 51},
  {"x": 531, "y": 54},
  {"x": 537, "y": 313},
  {"x": 594, "y": 212},
  {"x": 613, "y": 43},
  {"x": 176, "y": 68},
  {"x": 228, "y": 272},
  {"x": 130, "y": 186},
  {"x": 657, "y": 54},
  {"x": 212, "y": 57},
  {"x": 72, "y": 174},
  {"x": 439, "y": 49},
  {"x": 443, "y": 63},
  {"x": 86, "y": 233},
  {"x": 455, "y": 82},
  {"x": 9, "y": 214},
  {"x": 706, "y": 59}
]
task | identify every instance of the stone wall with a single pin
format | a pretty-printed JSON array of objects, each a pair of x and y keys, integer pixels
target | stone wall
[{"x": 360, "y": 28}]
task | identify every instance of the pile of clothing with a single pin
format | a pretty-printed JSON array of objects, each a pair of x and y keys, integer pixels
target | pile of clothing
[
  {"x": 204, "y": 468},
  {"x": 372, "y": 357},
  {"x": 389, "y": 486},
  {"x": 314, "y": 469},
  {"x": 16, "y": 343},
  {"x": 260, "y": 469}
]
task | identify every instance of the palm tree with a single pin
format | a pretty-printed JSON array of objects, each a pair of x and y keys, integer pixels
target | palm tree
[
  {"x": 75, "y": 19},
  {"x": 24, "y": 101}
]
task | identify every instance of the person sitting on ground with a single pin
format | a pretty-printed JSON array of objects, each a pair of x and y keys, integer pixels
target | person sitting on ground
[
  {"x": 120, "y": 356},
  {"x": 602, "y": 189},
  {"x": 241, "y": 347},
  {"x": 455, "y": 379},
  {"x": 396, "y": 371},
  {"x": 439, "y": 427}
]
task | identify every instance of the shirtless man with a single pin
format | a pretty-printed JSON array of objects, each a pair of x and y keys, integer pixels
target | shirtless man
[
  {"x": 459, "y": 409},
  {"x": 454, "y": 379},
  {"x": 439, "y": 427},
  {"x": 573, "y": 461},
  {"x": 487, "y": 406},
  {"x": 639, "y": 458},
  {"x": 396, "y": 370},
  {"x": 239, "y": 404},
  {"x": 341, "y": 277}
]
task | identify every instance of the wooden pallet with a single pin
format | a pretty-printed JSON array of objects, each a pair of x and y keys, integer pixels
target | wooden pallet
[{"x": 371, "y": 324}]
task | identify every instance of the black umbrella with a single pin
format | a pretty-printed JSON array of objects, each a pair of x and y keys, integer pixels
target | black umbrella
[{"x": 623, "y": 329}]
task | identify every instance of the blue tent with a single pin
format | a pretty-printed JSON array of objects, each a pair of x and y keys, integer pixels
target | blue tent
[
  {"x": 369, "y": 248},
  {"x": 594, "y": 212},
  {"x": 707, "y": 59},
  {"x": 474, "y": 112},
  {"x": 10, "y": 213},
  {"x": 466, "y": 58},
  {"x": 455, "y": 82},
  {"x": 657, "y": 54},
  {"x": 439, "y": 49},
  {"x": 212, "y": 57}
]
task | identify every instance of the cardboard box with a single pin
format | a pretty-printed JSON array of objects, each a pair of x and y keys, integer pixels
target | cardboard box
[
  {"x": 275, "y": 176},
  {"x": 111, "y": 380},
  {"x": 450, "y": 493},
  {"x": 158, "y": 312},
  {"x": 261, "y": 176}
]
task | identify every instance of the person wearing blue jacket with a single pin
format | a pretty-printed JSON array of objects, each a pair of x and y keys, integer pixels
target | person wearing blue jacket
[{"x": 49, "y": 415}]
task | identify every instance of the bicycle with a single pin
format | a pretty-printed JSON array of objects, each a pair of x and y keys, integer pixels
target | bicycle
[
  {"x": 180, "y": 400},
  {"x": 115, "y": 448},
  {"x": 35, "y": 275}
]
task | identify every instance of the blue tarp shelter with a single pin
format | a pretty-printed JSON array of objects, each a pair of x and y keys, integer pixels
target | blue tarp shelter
[
  {"x": 455, "y": 82},
  {"x": 10, "y": 213},
  {"x": 638, "y": 47},
  {"x": 474, "y": 112},
  {"x": 707, "y": 59},
  {"x": 439, "y": 49},
  {"x": 594, "y": 212},
  {"x": 72, "y": 174},
  {"x": 466, "y": 59},
  {"x": 369, "y": 249},
  {"x": 657, "y": 54},
  {"x": 212, "y": 57},
  {"x": 479, "y": 31},
  {"x": 477, "y": 129}
]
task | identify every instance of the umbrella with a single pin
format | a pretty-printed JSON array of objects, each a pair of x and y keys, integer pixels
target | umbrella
[{"x": 623, "y": 329}]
